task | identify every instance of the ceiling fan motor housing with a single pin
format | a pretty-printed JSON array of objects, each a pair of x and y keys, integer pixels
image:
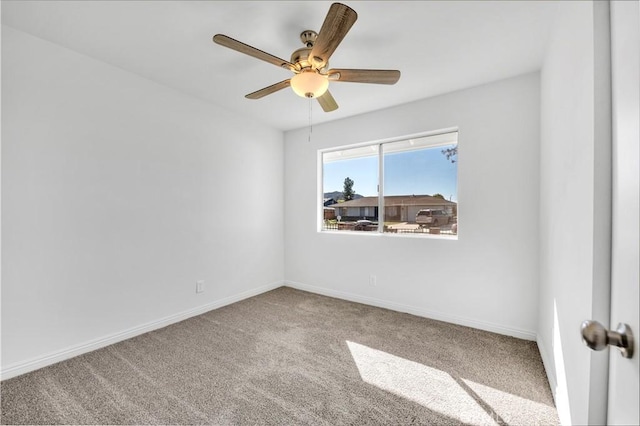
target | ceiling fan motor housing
[{"x": 301, "y": 56}]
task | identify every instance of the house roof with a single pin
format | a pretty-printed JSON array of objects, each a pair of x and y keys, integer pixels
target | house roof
[{"x": 397, "y": 200}]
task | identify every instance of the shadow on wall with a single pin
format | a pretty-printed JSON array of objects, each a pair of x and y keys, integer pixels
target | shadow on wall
[{"x": 561, "y": 390}]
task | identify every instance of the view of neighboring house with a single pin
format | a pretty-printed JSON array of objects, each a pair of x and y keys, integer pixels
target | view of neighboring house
[
  {"x": 329, "y": 212},
  {"x": 400, "y": 208}
]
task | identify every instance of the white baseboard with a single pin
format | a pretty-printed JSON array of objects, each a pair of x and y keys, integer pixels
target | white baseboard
[
  {"x": 468, "y": 322},
  {"x": 22, "y": 367},
  {"x": 560, "y": 396},
  {"x": 32, "y": 364},
  {"x": 549, "y": 368}
]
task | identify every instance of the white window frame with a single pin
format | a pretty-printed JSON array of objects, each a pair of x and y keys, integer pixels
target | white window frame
[{"x": 379, "y": 144}]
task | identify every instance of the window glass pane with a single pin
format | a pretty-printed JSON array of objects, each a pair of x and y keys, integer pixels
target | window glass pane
[
  {"x": 420, "y": 185},
  {"x": 350, "y": 189}
]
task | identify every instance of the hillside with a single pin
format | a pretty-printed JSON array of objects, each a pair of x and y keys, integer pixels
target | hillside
[{"x": 337, "y": 195}]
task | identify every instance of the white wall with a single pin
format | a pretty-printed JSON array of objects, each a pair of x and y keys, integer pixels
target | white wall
[
  {"x": 117, "y": 195},
  {"x": 487, "y": 278},
  {"x": 575, "y": 208}
]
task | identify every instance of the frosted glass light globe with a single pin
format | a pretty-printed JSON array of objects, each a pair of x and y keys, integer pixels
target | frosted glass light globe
[{"x": 309, "y": 84}]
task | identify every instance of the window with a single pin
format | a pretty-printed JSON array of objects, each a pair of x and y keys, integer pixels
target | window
[{"x": 406, "y": 186}]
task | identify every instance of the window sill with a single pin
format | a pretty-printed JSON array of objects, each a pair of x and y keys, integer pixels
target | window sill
[{"x": 449, "y": 237}]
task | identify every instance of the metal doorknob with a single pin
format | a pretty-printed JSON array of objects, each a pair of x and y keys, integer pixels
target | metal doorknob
[{"x": 597, "y": 337}]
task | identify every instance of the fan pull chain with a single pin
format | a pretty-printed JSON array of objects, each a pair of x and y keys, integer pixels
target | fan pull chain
[{"x": 310, "y": 123}]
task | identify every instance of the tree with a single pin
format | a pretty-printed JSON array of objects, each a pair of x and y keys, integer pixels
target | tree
[
  {"x": 451, "y": 153},
  {"x": 438, "y": 196},
  {"x": 347, "y": 192}
]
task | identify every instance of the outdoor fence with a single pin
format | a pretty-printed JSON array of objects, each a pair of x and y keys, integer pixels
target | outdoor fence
[{"x": 352, "y": 226}]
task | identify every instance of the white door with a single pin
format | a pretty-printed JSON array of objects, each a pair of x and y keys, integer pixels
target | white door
[{"x": 625, "y": 67}]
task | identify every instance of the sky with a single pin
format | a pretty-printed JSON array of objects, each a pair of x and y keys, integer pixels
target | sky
[{"x": 425, "y": 171}]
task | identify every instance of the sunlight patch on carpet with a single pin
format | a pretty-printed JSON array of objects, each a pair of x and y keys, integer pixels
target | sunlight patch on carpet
[
  {"x": 429, "y": 387},
  {"x": 512, "y": 408}
]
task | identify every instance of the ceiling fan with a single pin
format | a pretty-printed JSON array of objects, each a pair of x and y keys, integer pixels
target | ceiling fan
[{"x": 310, "y": 64}]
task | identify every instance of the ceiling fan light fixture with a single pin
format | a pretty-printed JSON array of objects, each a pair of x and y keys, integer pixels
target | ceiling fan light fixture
[{"x": 309, "y": 84}]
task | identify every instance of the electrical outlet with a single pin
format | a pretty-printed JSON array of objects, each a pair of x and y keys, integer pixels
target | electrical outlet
[
  {"x": 199, "y": 286},
  {"x": 373, "y": 281}
]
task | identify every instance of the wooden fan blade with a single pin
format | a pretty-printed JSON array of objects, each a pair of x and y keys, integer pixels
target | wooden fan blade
[
  {"x": 339, "y": 20},
  {"x": 364, "y": 76},
  {"x": 327, "y": 102},
  {"x": 239, "y": 46},
  {"x": 268, "y": 90}
]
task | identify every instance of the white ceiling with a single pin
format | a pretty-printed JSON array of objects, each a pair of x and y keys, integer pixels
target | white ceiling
[{"x": 439, "y": 46}]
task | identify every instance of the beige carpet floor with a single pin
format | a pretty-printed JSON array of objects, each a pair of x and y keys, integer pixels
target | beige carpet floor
[{"x": 292, "y": 357}]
